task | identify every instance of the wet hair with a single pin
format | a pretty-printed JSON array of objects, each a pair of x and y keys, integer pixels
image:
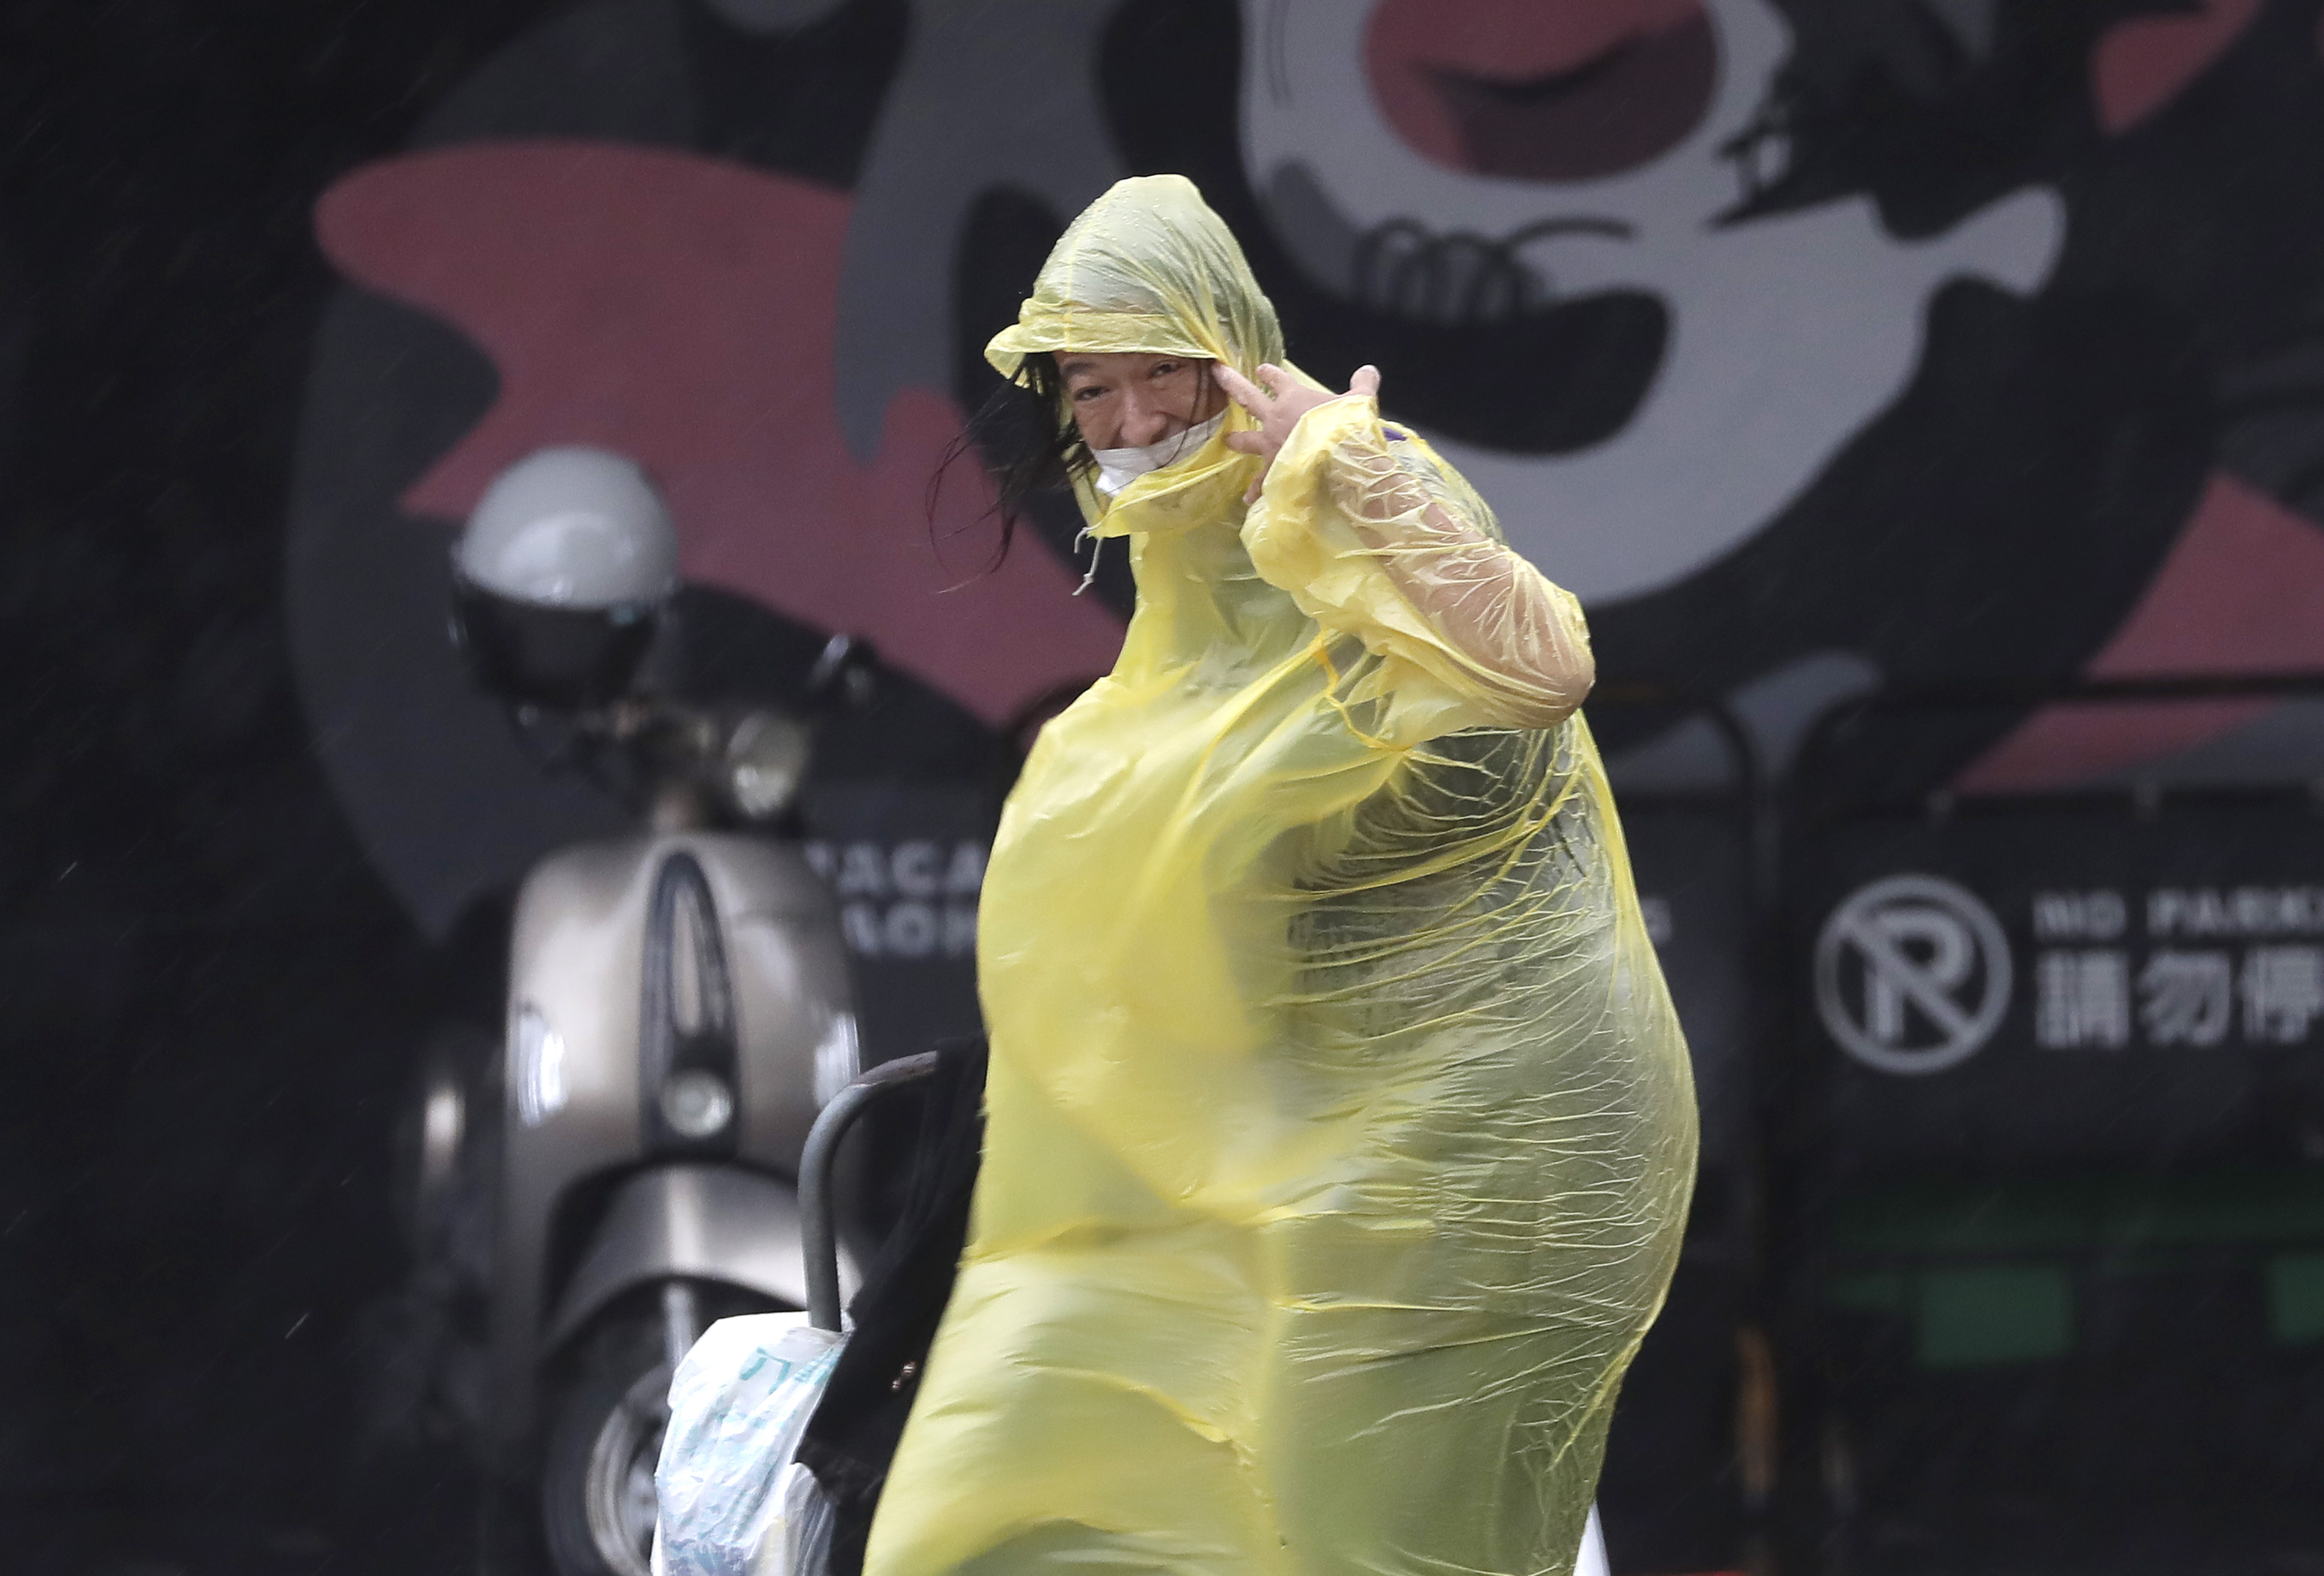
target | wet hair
[
  {"x": 1026, "y": 437},
  {"x": 1029, "y": 435},
  {"x": 1027, "y": 441}
]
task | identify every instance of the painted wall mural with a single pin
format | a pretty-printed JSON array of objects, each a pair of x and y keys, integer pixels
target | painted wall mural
[{"x": 1816, "y": 344}]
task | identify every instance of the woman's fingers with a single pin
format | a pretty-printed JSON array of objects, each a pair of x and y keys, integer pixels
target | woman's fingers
[
  {"x": 1239, "y": 388},
  {"x": 1278, "y": 399},
  {"x": 1280, "y": 385}
]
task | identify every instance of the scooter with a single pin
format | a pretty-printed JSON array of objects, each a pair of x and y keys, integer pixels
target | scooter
[{"x": 622, "y": 1167}]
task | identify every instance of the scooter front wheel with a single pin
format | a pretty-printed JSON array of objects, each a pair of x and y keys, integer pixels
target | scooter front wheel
[{"x": 605, "y": 1436}]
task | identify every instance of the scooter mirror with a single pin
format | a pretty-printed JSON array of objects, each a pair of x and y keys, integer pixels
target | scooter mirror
[{"x": 846, "y": 674}]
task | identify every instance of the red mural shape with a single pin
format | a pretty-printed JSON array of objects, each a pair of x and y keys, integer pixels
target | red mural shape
[
  {"x": 679, "y": 309},
  {"x": 2242, "y": 592},
  {"x": 2141, "y": 65},
  {"x": 1573, "y": 91}
]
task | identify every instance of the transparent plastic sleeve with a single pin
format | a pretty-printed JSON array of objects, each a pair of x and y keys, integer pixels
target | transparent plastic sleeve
[{"x": 1374, "y": 535}]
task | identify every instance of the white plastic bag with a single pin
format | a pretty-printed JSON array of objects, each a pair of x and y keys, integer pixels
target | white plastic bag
[
  {"x": 733, "y": 1502},
  {"x": 799, "y": 1543},
  {"x": 1591, "y": 1561}
]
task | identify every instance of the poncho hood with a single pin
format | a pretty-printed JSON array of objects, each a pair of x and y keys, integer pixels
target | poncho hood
[{"x": 1150, "y": 269}]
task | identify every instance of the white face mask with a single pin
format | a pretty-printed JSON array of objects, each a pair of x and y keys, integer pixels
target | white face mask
[{"x": 1118, "y": 467}]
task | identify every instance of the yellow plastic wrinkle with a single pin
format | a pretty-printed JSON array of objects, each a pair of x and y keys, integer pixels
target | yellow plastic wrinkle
[{"x": 1340, "y": 1130}]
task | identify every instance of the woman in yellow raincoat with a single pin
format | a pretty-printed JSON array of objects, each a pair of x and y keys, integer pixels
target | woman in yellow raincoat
[{"x": 1339, "y": 1130}]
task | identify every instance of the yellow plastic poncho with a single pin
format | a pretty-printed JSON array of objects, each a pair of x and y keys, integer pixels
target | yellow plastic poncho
[{"x": 1340, "y": 1132}]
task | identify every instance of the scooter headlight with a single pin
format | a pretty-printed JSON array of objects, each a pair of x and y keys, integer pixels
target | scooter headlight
[
  {"x": 766, "y": 758},
  {"x": 697, "y": 1103}
]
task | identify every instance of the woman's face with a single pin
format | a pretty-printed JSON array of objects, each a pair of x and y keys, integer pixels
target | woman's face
[{"x": 1128, "y": 399}]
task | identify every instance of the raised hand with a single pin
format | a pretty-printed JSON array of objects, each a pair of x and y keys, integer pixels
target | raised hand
[{"x": 1278, "y": 406}]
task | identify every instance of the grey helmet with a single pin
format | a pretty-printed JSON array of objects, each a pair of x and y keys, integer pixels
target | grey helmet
[{"x": 561, "y": 576}]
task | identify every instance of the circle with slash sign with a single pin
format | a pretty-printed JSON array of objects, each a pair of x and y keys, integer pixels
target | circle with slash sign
[{"x": 1911, "y": 974}]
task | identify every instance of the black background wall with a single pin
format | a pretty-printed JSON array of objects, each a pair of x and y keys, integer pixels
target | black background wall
[{"x": 210, "y": 998}]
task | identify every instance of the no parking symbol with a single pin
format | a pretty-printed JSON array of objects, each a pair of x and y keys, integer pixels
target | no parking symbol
[{"x": 1911, "y": 974}]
